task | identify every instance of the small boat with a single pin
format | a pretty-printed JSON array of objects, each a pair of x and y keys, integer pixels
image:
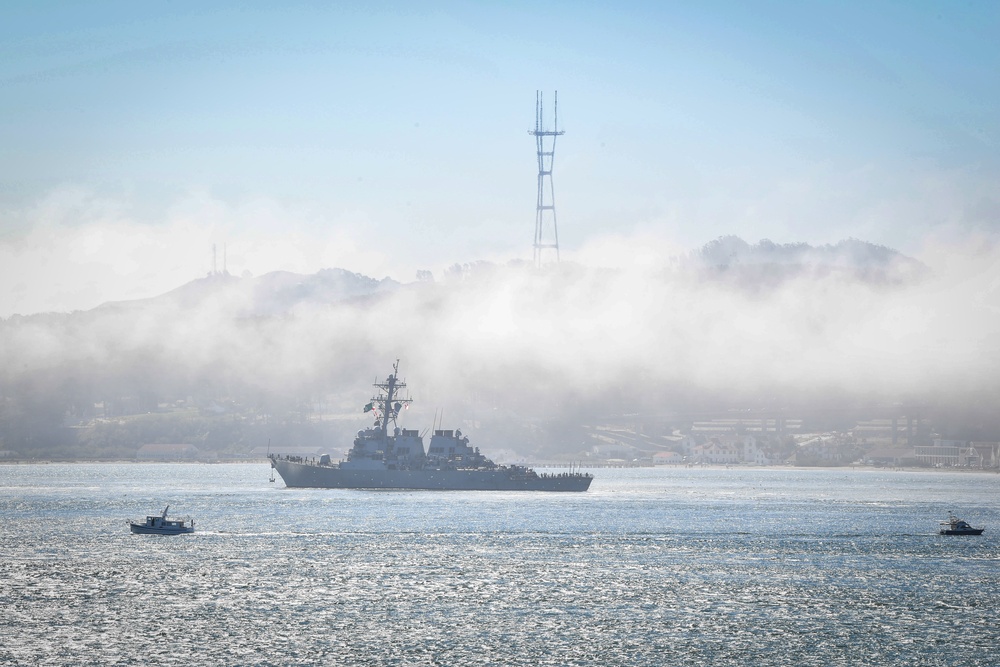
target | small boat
[
  {"x": 161, "y": 525},
  {"x": 955, "y": 526}
]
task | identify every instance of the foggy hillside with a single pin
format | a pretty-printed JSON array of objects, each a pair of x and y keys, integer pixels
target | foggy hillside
[
  {"x": 830, "y": 332},
  {"x": 271, "y": 294},
  {"x": 769, "y": 262}
]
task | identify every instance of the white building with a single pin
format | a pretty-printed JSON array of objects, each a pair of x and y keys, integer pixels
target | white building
[{"x": 715, "y": 451}]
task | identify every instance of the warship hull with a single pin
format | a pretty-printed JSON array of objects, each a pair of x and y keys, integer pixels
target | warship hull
[{"x": 314, "y": 476}]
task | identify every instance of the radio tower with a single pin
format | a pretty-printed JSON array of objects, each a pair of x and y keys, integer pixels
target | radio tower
[{"x": 546, "y": 230}]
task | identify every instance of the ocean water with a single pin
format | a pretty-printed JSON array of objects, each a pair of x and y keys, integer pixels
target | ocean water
[{"x": 650, "y": 567}]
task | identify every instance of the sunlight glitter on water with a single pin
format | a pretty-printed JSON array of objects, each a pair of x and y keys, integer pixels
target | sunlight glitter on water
[{"x": 828, "y": 568}]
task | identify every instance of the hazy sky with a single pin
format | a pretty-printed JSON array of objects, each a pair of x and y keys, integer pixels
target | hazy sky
[{"x": 385, "y": 138}]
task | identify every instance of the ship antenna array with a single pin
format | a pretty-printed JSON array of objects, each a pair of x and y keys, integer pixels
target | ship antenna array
[
  {"x": 546, "y": 229},
  {"x": 386, "y": 399}
]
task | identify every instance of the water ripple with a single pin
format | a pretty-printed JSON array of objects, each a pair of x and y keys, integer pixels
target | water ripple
[{"x": 611, "y": 578}]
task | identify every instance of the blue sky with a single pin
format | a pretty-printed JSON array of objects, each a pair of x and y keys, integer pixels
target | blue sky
[{"x": 390, "y": 137}]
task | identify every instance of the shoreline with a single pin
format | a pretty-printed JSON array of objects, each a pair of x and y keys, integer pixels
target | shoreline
[{"x": 546, "y": 465}]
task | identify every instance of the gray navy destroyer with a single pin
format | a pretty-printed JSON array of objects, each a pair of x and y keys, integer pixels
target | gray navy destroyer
[{"x": 394, "y": 458}]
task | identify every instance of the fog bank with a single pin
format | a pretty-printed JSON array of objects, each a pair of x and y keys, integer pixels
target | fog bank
[{"x": 772, "y": 327}]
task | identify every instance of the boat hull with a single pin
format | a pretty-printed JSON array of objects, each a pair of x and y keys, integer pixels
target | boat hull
[
  {"x": 307, "y": 475},
  {"x": 963, "y": 531},
  {"x": 140, "y": 529}
]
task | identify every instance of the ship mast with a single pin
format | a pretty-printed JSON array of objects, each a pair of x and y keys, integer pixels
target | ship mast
[{"x": 388, "y": 402}]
